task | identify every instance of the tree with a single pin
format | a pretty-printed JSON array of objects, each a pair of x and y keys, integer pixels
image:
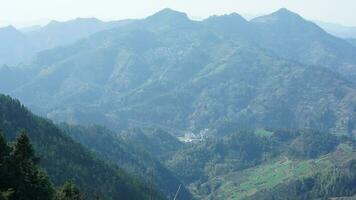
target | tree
[
  {"x": 69, "y": 191},
  {"x": 21, "y": 178},
  {"x": 5, "y": 195},
  {"x": 24, "y": 176},
  {"x": 23, "y": 150}
]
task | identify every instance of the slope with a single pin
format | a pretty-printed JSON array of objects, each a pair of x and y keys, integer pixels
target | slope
[
  {"x": 129, "y": 157},
  {"x": 290, "y": 36},
  {"x": 64, "y": 159},
  {"x": 19, "y": 47},
  {"x": 169, "y": 71}
]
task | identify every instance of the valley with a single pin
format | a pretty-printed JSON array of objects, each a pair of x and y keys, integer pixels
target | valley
[{"x": 166, "y": 107}]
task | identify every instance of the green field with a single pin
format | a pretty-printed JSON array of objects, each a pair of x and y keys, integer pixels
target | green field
[
  {"x": 263, "y": 133},
  {"x": 237, "y": 185}
]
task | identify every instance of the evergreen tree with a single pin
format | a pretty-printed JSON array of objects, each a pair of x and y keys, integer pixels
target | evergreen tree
[
  {"x": 21, "y": 178},
  {"x": 23, "y": 151},
  {"x": 5, "y": 190},
  {"x": 69, "y": 191},
  {"x": 5, "y": 195}
]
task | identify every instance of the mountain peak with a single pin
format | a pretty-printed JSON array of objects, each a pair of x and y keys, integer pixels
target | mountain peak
[
  {"x": 168, "y": 12},
  {"x": 228, "y": 18},
  {"x": 53, "y": 23},
  {"x": 9, "y": 31},
  {"x": 85, "y": 20},
  {"x": 280, "y": 15},
  {"x": 9, "y": 28},
  {"x": 168, "y": 15},
  {"x": 284, "y": 12}
]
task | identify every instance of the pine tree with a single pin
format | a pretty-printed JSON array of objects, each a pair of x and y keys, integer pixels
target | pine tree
[
  {"x": 23, "y": 150},
  {"x": 5, "y": 190},
  {"x": 69, "y": 191},
  {"x": 28, "y": 180},
  {"x": 22, "y": 179}
]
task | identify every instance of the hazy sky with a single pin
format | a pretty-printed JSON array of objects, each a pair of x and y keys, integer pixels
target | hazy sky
[{"x": 26, "y": 12}]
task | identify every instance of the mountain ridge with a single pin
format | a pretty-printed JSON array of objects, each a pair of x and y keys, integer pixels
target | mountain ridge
[{"x": 160, "y": 69}]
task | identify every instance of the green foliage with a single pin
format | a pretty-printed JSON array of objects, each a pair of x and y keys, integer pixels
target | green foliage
[
  {"x": 131, "y": 153},
  {"x": 335, "y": 182},
  {"x": 277, "y": 71},
  {"x": 5, "y": 195},
  {"x": 157, "y": 142},
  {"x": 21, "y": 178},
  {"x": 218, "y": 156},
  {"x": 242, "y": 163},
  {"x": 263, "y": 133},
  {"x": 63, "y": 159},
  {"x": 313, "y": 144},
  {"x": 68, "y": 191}
]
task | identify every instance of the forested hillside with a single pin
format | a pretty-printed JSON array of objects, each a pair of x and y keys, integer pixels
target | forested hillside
[
  {"x": 130, "y": 156},
  {"x": 166, "y": 107},
  {"x": 339, "y": 183},
  {"x": 64, "y": 159},
  {"x": 247, "y": 163},
  {"x": 22, "y": 178},
  {"x": 175, "y": 73}
]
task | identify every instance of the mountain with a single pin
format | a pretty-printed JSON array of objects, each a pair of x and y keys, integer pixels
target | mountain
[
  {"x": 338, "y": 30},
  {"x": 277, "y": 71},
  {"x": 250, "y": 164},
  {"x": 352, "y": 41},
  {"x": 20, "y": 46},
  {"x": 129, "y": 156},
  {"x": 290, "y": 36},
  {"x": 57, "y": 33},
  {"x": 14, "y": 45},
  {"x": 64, "y": 159},
  {"x": 13, "y": 77},
  {"x": 156, "y": 142}
]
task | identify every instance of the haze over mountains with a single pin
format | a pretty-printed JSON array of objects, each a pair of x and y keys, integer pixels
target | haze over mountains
[
  {"x": 20, "y": 46},
  {"x": 278, "y": 70},
  {"x": 338, "y": 30},
  {"x": 166, "y": 107}
]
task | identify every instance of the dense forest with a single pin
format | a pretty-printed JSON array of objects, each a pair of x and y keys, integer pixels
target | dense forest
[
  {"x": 278, "y": 70},
  {"x": 130, "y": 156},
  {"x": 167, "y": 107},
  {"x": 64, "y": 159},
  {"x": 22, "y": 178},
  {"x": 336, "y": 183}
]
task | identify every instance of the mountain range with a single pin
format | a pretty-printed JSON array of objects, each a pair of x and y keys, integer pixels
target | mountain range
[
  {"x": 19, "y": 46},
  {"x": 338, "y": 30},
  {"x": 166, "y": 107},
  {"x": 278, "y": 70}
]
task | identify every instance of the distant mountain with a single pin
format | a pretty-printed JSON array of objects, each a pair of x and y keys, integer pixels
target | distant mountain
[
  {"x": 14, "y": 45},
  {"x": 290, "y": 36},
  {"x": 20, "y": 46},
  {"x": 277, "y": 71},
  {"x": 30, "y": 28},
  {"x": 338, "y": 30},
  {"x": 64, "y": 159},
  {"x": 130, "y": 156},
  {"x": 63, "y": 33},
  {"x": 352, "y": 41}
]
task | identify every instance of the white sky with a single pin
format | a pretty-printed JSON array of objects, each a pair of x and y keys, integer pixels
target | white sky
[{"x": 29, "y": 12}]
